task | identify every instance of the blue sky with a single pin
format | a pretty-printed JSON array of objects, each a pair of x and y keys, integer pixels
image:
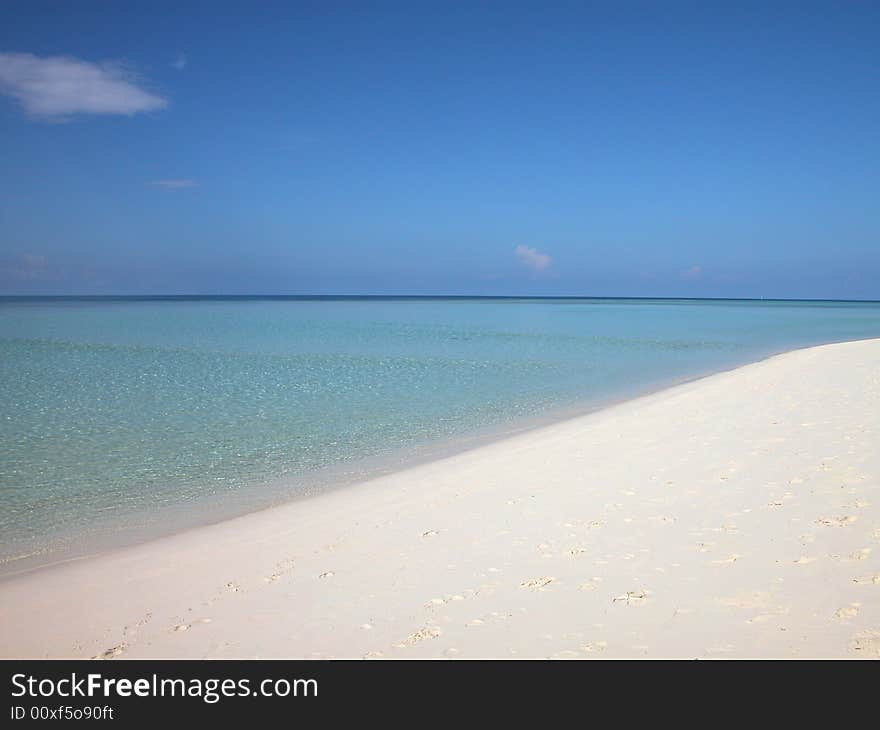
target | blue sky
[{"x": 629, "y": 149}]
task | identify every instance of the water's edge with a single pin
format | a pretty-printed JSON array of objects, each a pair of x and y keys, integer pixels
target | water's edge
[{"x": 218, "y": 509}]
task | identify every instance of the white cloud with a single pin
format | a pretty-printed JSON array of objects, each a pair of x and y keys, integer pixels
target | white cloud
[
  {"x": 180, "y": 61},
  {"x": 26, "y": 267},
  {"x": 55, "y": 87},
  {"x": 694, "y": 272},
  {"x": 34, "y": 261},
  {"x": 533, "y": 258},
  {"x": 175, "y": 184}
]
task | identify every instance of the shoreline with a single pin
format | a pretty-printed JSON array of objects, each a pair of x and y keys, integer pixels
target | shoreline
[
  {"x": 369, "y": 536},
  {"x": 343, "y": 475}
]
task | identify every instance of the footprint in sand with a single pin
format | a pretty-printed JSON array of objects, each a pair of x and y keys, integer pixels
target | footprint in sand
[
  {"x": 327, "y": 574},
  {"x": 861, "y": 554},
  {"x": 187, "y": 627},
  {"x": 281, "y": 569},
  {"x": 632, "y": 598},
  {"x": 430, "y": 533},
  {"x": 594, "y": 647},
  {"x": 803, "y": 560},
  {"x": 868, "y": 580},
  {"x": 113, "y": 652},
  {"x": 867, "y": 643},
  {"x": 427, "y": 632},
  {"x": 434, "y": 602},
  {"x": 851, "y": 611},
  {"x": 131, "y": 631},
  {"x": 537, "y": 584},
  {"x": 836, "y": 521},
  {"x": 232, "y": 587}
]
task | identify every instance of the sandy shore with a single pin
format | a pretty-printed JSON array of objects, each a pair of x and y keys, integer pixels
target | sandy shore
[{"x": 736, "y": 516}]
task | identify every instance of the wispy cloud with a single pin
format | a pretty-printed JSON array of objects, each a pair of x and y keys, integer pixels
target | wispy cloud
[
  {"x": 180, "y": 61},
  {"x": 175, "y": 184},
  {"x": 26, "y": 267},
  {"x": 532, "y": 258},
  {"x": 55, "y": 87},
  {"x": 694, "y": 272}
]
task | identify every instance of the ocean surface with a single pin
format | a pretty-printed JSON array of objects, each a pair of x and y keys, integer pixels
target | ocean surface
[{"x": 121, "y": 418}]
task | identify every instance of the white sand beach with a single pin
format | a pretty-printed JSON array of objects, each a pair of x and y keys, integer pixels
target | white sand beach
[{"x": 734, "y": 516}]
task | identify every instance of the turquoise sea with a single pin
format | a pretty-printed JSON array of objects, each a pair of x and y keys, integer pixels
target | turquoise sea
[{"x": 122, "y": 418}]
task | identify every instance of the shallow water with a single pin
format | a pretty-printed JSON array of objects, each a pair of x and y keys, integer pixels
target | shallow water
[{"x": 124, "y": 417}]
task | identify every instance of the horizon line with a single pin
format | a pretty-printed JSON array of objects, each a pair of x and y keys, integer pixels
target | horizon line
[{"x": 156, "y": 297}]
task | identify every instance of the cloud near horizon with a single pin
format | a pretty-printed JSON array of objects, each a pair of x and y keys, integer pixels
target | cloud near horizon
[
  {"x": 56, "y": 87},
  {"x": 25, "y": 267},
  {"x": 175, "y": 184},
  {"x": 532, "y": 258},
  {"x": 694, "y": 272}
]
